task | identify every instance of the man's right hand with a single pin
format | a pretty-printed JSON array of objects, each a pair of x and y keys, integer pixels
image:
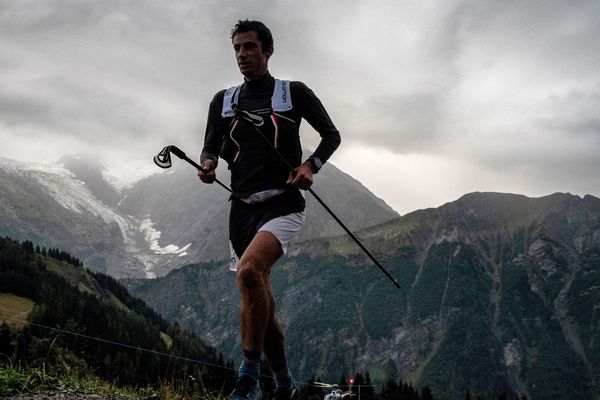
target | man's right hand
[{"x": 210, "y": 175}]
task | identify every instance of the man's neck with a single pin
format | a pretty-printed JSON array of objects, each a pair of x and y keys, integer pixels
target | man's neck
[
  {"x": 257, "y": 78},
  {"x": 258, "y": 82}
]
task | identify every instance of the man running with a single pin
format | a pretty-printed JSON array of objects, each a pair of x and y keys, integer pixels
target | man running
[{"x": 267, "y": 206}]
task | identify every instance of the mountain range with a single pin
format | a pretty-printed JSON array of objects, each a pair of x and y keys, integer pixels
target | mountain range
[{"x": 499, "y": 292}]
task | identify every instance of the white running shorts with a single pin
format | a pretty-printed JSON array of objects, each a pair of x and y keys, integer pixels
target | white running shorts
[{"x": 284, "y": 228}]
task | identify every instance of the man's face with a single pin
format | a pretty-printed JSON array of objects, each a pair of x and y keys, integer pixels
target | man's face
[{"x": 251, "y": 59}]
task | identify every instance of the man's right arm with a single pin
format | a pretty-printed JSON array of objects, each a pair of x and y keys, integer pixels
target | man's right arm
[{"x": 209, "y": 158}]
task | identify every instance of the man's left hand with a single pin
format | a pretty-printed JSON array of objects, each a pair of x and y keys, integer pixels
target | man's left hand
[{"x": 302, "y": 176}]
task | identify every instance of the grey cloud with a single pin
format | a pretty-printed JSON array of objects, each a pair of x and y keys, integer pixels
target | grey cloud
[
  {"x": 556, "y": 39},
  {"x": 59, "y": 16},
  {"x": 577, "y": 113},
  {"x": 66, "y": 108},
  {"x": 141, "y": 74},
  {"x": 560, "y": 36},
  {"x": 556, "y": 152},
  {"x": 15, "y": 109},
  {"x": 33, "y": 17},
  {"x": 402, "y": 124}
]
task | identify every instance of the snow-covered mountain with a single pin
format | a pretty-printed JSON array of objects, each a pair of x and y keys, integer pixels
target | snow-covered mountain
[
  {"x": 47, "y": 204},
  {"x": 160, "y": 223}
]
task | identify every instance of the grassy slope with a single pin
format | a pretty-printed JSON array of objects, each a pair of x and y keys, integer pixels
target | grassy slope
[
  {"x": 77, "y": 276},
  {"x": 14, "y": 309}
]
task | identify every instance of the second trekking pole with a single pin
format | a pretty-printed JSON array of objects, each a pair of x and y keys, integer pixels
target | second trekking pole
[{"x": 253, "y": 120}]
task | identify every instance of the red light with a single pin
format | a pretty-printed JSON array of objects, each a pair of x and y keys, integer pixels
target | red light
[{"x": 351, "y": 381}]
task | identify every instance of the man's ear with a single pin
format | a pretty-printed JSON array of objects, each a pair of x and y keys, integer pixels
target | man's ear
[{"x": 269, "y": 52}]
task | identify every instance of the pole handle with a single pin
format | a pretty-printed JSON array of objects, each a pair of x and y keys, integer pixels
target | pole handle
[{"x": 181, "y": 154}]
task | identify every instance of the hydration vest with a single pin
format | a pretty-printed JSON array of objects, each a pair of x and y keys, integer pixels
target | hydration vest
[{"x": 280, "y": 101}]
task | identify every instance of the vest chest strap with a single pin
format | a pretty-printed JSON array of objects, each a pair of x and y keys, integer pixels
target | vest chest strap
[{"x": 281, "y": 100}]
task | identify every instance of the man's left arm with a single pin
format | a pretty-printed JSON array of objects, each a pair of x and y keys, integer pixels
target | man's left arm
[{"x": 313, "y": 111}]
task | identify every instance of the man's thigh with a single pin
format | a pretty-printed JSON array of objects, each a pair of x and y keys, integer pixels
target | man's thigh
[{"x": 263, "y": 251}]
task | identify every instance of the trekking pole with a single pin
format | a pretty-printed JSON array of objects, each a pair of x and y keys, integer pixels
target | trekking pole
[
  {"x": 257, "y": 120},
  {"x": 163, "y": 160}
]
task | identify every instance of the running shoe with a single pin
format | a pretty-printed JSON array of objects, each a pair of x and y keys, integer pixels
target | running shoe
[
  {"x": 245, "y": 389},
  {"x": 286, "y": 394}
]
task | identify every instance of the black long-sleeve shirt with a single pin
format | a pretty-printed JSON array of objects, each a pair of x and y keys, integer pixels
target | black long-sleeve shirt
[{"x": 256, "y": 166}]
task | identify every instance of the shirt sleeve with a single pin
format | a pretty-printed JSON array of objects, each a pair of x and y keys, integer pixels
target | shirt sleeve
[
  {"x": 313, "y": 111},
  {"x": 212, "y": 137}
]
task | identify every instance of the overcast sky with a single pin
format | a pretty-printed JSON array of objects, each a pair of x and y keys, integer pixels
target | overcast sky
[{"x": 434, "y": 99}]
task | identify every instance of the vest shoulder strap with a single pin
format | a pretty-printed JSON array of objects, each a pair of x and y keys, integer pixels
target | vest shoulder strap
[
  {"x": 230, "y": 97},
  {"x": 282, "y": 98}
]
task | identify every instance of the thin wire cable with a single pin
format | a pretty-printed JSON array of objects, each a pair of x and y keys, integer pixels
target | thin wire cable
[
  {"x": 160, "y": 353},
  {"x": 322, "y": 385},
  {"x": 134, "y": 347}
]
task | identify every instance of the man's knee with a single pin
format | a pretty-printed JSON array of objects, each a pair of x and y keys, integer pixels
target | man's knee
[{"x": 249, "y": 274}]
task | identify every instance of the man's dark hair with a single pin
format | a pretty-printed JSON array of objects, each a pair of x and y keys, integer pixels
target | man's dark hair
[{"x": 263, "y": 33}]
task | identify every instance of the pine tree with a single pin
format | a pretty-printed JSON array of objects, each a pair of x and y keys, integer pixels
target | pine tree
[
  {"x": 408, "y": 392},
  {"x": 358, "y": 382},
  {"x": 389, "y": 390},
  {"x": 368, "y": 390},
  {"x": 426, "y": 393},
  {"x": 27, "y": 247},
  {"x": 343, "y": 385}
]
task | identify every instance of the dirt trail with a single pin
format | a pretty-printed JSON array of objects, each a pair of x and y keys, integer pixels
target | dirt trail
[{"x": 64, "y": 395}]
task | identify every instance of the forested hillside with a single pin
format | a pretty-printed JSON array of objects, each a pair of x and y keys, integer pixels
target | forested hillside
[{"x": 94, "y": 322}]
